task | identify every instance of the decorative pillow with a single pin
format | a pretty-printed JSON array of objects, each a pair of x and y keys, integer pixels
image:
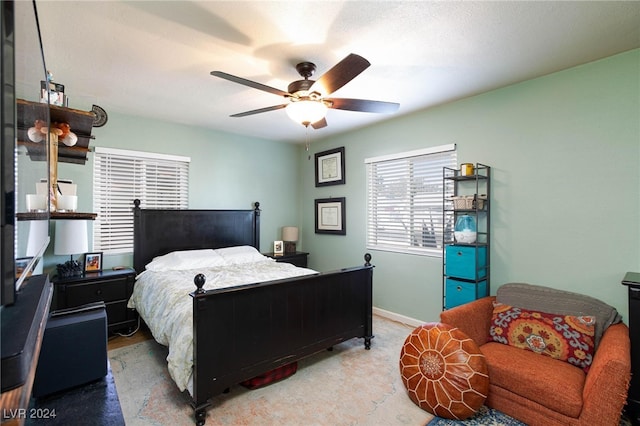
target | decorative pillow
[
  {"x": 240, "y": 254},
  {"x": 546, "y": 299},
  {"x": 565, "y": 337},
  {"x": 186, "y": 259}
]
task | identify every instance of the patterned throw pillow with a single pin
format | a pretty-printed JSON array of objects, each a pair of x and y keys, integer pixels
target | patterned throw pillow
[{"x": 564, "y": 337}]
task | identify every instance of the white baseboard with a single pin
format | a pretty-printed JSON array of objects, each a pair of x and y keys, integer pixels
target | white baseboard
[{"x": 397, "y": 317}]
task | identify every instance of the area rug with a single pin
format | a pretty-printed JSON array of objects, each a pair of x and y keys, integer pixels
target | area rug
[
  {"x": 490, "y": 417},
  {"x": 484, "y": 417},
  {"x": 347, "y": 386}
]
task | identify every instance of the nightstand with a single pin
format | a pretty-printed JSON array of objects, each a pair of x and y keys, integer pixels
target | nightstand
[
  {"x": 298, "y": 258},
  {"x": 113, "y": 287},
  {"x": 632, "y": 409}
]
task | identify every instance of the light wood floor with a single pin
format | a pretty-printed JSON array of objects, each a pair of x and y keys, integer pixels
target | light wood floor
[{"x": 141, "y": 335}]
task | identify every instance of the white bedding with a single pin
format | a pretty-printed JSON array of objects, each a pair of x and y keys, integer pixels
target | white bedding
[{"x": 162, "y": 300}]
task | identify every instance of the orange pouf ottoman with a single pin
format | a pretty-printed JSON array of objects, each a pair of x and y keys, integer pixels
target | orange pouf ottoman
[{"x": 444, "y": 371}]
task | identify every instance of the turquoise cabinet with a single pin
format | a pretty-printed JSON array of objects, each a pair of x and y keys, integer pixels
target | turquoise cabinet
[
  {"x": 465, "y": 262},
  {"x": 460, "y": 292}
]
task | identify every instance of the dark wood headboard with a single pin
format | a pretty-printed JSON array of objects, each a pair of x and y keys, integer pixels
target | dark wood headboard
[{"x": 158, "y": 231}]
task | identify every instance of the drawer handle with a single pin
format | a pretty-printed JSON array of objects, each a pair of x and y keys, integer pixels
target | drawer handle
[
  {"x": 459, "y": 253},
  {"x": 99, "y": 292},
  {"x": 459, "y": 288}
]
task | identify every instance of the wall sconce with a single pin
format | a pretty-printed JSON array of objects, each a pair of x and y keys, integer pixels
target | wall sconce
[
  {"x": 38, "y": 132},
  {"x": 289, "y": 236}
]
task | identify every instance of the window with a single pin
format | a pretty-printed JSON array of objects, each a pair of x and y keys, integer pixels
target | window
[
  {"x": 121, "y": 176},
  {"x": 404, "y": 195}
]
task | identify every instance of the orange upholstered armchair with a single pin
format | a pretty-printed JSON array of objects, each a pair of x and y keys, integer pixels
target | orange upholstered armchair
[{"x": 540, "y": 390}]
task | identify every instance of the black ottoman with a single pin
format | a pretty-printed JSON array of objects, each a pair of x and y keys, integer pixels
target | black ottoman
[{"x": 74, "y": 349}]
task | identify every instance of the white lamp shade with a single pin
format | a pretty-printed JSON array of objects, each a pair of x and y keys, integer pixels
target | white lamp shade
[
  {"x": 71, "y": 237},
  {"x": 38, "y": 237},
  {"x": 289, "y": 233},
  {"x": 306, "y": 112}
]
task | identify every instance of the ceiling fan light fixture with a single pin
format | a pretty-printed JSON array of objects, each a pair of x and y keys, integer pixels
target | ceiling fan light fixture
[{"x": 306, "y": 111}]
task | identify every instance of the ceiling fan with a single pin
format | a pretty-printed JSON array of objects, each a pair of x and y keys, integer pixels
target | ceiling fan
[{"x": 307, "y": 103}]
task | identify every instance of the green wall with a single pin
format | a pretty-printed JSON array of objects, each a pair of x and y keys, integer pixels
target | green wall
[
  {"x": 565, "y": 157},
  {"x": 226, "y": 172}
]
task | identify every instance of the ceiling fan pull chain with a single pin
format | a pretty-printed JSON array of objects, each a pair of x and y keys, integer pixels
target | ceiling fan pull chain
[{"x": 307, "y": 143}]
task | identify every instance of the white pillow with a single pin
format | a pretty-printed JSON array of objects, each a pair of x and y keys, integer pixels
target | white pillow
[
  {"x": 240, "y": 254},
  {"x": 186, "y": 259}
]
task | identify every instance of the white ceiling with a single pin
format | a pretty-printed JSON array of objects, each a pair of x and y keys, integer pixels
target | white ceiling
[{"x": 153, "y": 58}]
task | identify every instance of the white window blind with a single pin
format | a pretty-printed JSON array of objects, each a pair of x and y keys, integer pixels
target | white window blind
[
  {"x": 404, "y": 200},
  {"x": 121, "y": 176}
]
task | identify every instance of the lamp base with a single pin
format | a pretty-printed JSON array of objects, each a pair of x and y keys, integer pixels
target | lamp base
[
  {"x": 70, "y": 268},
  {"x": 289, "y": 247}
]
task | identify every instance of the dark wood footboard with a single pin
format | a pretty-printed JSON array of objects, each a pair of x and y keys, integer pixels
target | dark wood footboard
[{"x": 242, "y": 332}]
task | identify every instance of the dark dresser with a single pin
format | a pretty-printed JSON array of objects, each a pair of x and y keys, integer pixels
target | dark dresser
[
  {"x": 632, "y": 281},
  {"x": 22, "y": 327}
]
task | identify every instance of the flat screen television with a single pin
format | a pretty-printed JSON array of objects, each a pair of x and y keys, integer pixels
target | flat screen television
[
  {"x": 7, "y": 117},
  {"x": 21, "y": 69}
]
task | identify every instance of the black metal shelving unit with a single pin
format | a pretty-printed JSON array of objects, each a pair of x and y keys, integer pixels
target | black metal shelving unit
[{"x": 466, "y": 266}]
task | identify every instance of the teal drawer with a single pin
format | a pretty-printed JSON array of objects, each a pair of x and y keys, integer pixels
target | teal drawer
[
  {"x": 461, "y": 262},
  {"x": 461, "y": 292}
]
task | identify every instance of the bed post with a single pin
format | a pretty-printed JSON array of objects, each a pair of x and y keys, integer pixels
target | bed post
[
  {"x": 368, "y": 331},
  {"x": 199, "y": 403},
  {"x": 256, "y": 225},
  {"x": 136, "y": 238}
]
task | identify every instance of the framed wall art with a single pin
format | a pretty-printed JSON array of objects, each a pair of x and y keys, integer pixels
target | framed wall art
[
  {"x": 330, "y": 167},
  {"x": 93, "y": 262},
  {"x": 330, "y": 216}
]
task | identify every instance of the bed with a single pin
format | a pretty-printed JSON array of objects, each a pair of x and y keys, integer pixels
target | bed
[{"x": 243, "y": 331}]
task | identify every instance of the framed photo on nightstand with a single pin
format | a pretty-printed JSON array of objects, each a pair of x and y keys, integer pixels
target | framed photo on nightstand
[
  {"x": 93, "y": 262},
  {"x": 278, "y": 248}
]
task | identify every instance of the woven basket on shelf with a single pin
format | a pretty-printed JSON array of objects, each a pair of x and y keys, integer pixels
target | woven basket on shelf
[{"x": 465, "y": 202}]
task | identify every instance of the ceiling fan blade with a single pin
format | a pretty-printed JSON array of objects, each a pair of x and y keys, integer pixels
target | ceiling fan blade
[
  {"x": 250, "y": 83},
  {"x": 319, "y": 124},
  {"x": 341, "y": 73},
  {"x": 363, "y": 105},
  {"x": 258, "y": 111}
]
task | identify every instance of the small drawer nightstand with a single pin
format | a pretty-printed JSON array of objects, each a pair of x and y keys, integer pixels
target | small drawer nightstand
[
  {"x": 113, "y": 287},
  {"x": 298, "y": 258}
]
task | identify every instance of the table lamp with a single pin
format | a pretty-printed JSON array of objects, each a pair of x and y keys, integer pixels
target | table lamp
[
  {"x": 71, "y": 238},
  {"x": 38, "y": 237},
  {"x": 289, "y": 236}
]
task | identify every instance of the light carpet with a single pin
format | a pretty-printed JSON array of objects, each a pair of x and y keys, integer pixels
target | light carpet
[{"x": 347, "y": 386}]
